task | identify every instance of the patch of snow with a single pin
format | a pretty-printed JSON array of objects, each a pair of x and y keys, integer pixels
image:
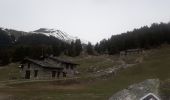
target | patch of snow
[
  {"x": 2, "y": 28},
  {"x": 58, "y": 34},
  {"x": 55, "y": 33}
]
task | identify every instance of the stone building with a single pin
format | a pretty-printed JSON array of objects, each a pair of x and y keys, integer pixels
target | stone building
[
  {"x": 47, "y": 68},
  {"x": 130, "y": 52}
]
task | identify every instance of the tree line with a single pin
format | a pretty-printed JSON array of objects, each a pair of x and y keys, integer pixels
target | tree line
[
  {"x": 15, "y": 48},
  {"x": 144, "y": 37}
]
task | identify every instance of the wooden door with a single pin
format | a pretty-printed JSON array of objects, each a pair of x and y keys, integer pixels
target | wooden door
[
  {"x": 27, "y": 74},
  {"x": 53, "y": 74}
]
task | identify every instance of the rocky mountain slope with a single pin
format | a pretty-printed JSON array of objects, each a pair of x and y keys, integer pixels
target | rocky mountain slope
[
  {"x": 55, "y": 33},
  {"x": 48, "y": 32}
]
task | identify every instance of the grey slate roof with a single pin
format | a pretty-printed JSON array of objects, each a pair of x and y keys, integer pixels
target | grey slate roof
[
  {"x": 62, "y": 60},
  {"x": 44, "y": 64}
]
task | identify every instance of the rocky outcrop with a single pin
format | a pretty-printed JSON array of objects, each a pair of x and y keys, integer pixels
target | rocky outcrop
[{"x": 137, "y": 91}]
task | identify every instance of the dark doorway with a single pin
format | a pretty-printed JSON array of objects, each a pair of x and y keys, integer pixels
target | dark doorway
[
  {"x": 67, "y": 66},
  {"x": 58, "y": 74},
  {"x": 71, "y": 67},
  {"x": 27, "y": 74},
  {"x": 64, "y": 74},
  {"x": 35, "y": 73},
  {"x": 53, "y": 74}
]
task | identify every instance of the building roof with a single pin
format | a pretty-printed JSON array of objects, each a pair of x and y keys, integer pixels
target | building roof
[
  {"x": 44, "y": 64},
  {"x": 131, "y": 50},
  {"x": 62, "y": 60}
]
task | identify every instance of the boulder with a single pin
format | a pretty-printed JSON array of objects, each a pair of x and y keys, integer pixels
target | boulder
[{"x": 137, "y": 91}]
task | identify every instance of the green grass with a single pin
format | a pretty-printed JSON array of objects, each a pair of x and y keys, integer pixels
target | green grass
[
  {"x": 9, "y": 72},
  {"x": 90, "y": 64},
  {"x": 155, "y": 65}
]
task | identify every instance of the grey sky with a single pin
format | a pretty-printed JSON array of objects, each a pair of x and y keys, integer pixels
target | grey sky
[{"x": 91, "y": 20}]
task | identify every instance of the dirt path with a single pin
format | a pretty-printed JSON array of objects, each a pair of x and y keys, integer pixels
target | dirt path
[{"x": 5, "y": 97}]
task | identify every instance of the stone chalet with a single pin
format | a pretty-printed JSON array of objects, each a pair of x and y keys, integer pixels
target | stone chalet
[
  {"x": 47, "y": 68},
  {"x": 131, "y": 51}
]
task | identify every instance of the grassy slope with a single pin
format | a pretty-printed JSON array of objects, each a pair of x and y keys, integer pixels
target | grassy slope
[
  {"x": 9, "y": 72},
  {"x": 155, "y": 65}
]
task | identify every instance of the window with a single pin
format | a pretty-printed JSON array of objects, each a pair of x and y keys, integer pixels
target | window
[
  {"x": 28, "y": 65},
  {"x": 22, "y": 66},
  {"x": 53, "y": 74},
  {"x": 35, "y": 73},
  {"x": 67, "y": 66},
  {"x": 58, "y": 74},
  {"x": 71, "y": 67}
]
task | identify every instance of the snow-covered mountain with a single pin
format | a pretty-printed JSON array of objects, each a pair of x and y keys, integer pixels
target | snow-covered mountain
[
  {"x": 13, "y": 32},
  {"x": 56, "y": 33},
  {"x": 2, "y": 28},
  {"x": 48, "y": 32}
]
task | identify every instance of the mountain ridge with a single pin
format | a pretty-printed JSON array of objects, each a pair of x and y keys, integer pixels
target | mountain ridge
[
  {"x": 61, "y": 35},
  {"x": 55, "y": 33}
]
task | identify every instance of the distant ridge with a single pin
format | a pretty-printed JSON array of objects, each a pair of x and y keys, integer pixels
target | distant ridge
[
  {"x": 56, "y": 33},
  {"x": 45, "y": 31}
]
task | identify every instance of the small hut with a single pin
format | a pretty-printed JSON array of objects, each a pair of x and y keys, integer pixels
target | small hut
[{"x": 130, "y": 52}]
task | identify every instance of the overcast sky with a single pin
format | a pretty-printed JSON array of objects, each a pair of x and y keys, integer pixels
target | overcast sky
[{"x": 91, "y": 20}]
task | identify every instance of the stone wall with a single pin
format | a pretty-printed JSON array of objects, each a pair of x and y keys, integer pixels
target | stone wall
[
  {"x": 46, "y": 73},
  {"x": 42, "y": 73}
]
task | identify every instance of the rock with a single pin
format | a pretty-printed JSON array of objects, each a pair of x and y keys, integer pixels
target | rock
[
  {"x": 137, "y": 91},
  {"x": 165, "y": 90}
]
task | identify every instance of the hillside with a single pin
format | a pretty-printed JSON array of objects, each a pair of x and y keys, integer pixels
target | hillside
[
  {"x": 16, "y": 45},
  {"x": 48, "y": 32},
  {"x": 146, "y": 37},
  {"x": 155, "y": 64},
  {"x": 56, "y": 33}
]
